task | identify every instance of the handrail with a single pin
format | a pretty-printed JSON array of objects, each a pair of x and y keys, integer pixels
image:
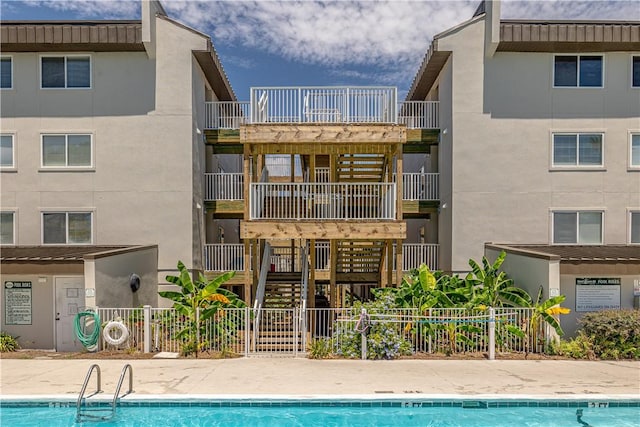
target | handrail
[
  {"x": 84, "y": 387},
  {"x": 262, "y": 283},
  {"x": 120, "y": 380}
]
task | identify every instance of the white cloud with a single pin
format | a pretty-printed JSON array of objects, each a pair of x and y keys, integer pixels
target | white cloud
[{"x": 390, "y": 37}]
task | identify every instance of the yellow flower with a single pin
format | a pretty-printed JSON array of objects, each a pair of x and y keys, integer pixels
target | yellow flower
[
  {"x": 408, "y": 328},
  {"x": 482, "y": 307},
  {"x": 220, "y": 298},
  {"x": 558, "y": 310}
]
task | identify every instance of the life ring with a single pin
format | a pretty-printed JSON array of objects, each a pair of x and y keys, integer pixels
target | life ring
[{"x": 113, "y": 326}]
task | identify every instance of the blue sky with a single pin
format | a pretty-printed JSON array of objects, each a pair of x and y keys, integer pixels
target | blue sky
[{"x": 312, "y": 43}]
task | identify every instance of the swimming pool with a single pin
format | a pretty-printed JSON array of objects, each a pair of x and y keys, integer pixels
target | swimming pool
[{"x": 303, "y": 412}]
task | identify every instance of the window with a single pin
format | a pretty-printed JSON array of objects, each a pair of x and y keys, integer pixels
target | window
[
  {"x": 7, "y": 228},
  {"x": 577, "y": 149},
  {"x": 581, "y": 227},
  {"x": 62, "y": 151},
  {"x": 635, "y": 71},
  {"x": 634, "y": 150},
  {"x": 634, "y": 227},
  {"x": 577, "y": 71},
  {"x": 6, "y": 72},
  {"x": 65, "y": 72},
  {"x": 6, "y": 151},
  {"x": 66, "y": 228}
]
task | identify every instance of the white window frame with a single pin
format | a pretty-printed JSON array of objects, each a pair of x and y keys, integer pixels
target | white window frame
[
  {"x": 65, "y": 56},
  {"x": 631, "y": 211},
  {"x": 631, "y": 73},
  {"x": 577, "y": 211},
  {"x": 633, "y": 167},
  {"x": 67, "y": 212},
  {"x": 12, "y": 73},
  {"x": 13, "y": 167},
  {"x": 577, "y": 166},
  {"x": 577, "y": 86},
  {"x": 15, "y": 228},
  {"x": 66, "y": 167}
]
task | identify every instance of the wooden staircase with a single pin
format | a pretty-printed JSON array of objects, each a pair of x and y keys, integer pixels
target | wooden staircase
[{"x": 360, "y": 168}]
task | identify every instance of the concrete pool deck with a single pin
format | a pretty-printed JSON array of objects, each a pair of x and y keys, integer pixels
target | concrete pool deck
[{"x": 287, "y": 377}]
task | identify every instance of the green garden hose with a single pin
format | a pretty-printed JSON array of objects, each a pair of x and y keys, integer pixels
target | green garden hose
[{"x": 90, "y": 342}]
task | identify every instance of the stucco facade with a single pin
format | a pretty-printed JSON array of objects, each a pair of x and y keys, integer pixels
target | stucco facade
[{"x": 499, "y": 112}]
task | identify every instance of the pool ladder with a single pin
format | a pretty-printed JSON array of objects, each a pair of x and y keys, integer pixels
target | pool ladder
[{"x": 98, "y": 414}]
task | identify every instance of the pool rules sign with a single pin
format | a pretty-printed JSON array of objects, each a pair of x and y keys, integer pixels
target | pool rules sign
[
  {"x": 18, "y": 303},
  {"x": 594, "y": 294}
]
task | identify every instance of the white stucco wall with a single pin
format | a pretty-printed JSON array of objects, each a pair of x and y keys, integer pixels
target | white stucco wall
[
  {"x": 144, "y": 114},
  {"x": 500, "y": 130}
]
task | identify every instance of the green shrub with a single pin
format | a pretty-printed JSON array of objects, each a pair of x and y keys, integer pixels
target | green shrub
[
  {"x": 609, "y": 334},
  {"x": 321, "y": 348},
  {"x": 384, "y": 337},
  {"x": 580, "y": 347},
  {"x": 8, "y": 343}
]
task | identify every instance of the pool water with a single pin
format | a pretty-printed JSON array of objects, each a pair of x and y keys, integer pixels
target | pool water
[{"x": 394, "y": 414}]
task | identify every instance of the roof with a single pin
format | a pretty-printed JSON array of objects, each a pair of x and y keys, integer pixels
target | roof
[
  {"x": 605, "y": 254},
  {"x": 536, "y": 36},
  {"x": 98, "y": 36},
  {"x": 58, "y": 253}
]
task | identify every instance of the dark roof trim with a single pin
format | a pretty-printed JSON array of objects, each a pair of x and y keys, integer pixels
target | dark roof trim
[
  {"x": 576, "y": 36},
  {"x": 71, "y": 36},
  {"x": 428, "y": 72},
  {"x": 211, "y": 65},
  {"x": 595, "y": 254}
]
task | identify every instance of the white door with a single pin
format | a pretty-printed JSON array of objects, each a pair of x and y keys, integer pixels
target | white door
[{"x": 69, "y": 300}]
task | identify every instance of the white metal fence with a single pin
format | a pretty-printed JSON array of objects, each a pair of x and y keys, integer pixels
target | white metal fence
[
  {"x": 226, "y": 114},
  {"x": 281, "y": 331},
  {"x": 322, "y": 105},
  {"x": 420, "y": 186},
  {"x": 230, "y": 256},
  {"x": 224, "y": 257},
  {"x": 229, "y": 186},
  {"x": 414, "y": 254},
  {"x": 419, "y": 114},
  {"x": 224, "y": 186},
  {"x": 295, "y": 201}
]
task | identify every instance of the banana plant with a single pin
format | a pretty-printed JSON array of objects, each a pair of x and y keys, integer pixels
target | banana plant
[
  {"x": 543, "y": 311},
  {"x": 488, "y": 286},
  {"x": 198, "y": 300}
]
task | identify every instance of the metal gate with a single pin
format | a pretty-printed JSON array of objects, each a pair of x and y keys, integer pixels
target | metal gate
[{"x": 278, "y": 332}]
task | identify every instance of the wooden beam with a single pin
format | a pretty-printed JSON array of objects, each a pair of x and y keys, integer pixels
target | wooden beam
[
  {"x": 323, "y": 133},
  {"x": 389, "y": 263},
  {"x": 399, "y": 266},
  {"x": 248, "y": 278},
  {"x": 226, "y": 208},
  {"x": 311, "y": 296},
  {"x": 357, "y": 277},
  {"x": 422, "y": 137},
  {"x": 323, "y": 230},
  {"x": 399, "y": 182},
  {"x": 246, "y": 169},
  {"x": 333, "y": 256}
]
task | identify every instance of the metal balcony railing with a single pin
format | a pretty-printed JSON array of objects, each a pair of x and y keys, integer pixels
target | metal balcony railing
[
  {"x": 322, "y": 201},
  {"x": 420, "y": 186},
  {"x": 322, "y": 105},
  {"x": 223, "y": 186},
  {"x": 224, "y": 257},
  {"x": 229, "y": 186},
  {"x": 230, "y": 256}
]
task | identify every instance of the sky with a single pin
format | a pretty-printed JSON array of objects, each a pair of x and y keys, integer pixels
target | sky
[{"x": 319, "y": 43}]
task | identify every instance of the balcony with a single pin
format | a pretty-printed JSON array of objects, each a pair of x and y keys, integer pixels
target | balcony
[
  {"x": 229, "y": 186},
  {"x": 322, "y": 201},
  {"x": 326, "y": 105},
  {"x": 229, "y": 256}
]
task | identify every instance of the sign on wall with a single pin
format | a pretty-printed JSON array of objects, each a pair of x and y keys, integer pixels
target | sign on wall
[
  {"x": 18, "y": 303},
  {"x": 593, "y": 294}
]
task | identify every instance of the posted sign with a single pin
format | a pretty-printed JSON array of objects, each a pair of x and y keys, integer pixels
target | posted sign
[
  {"x": 17, "y": 303},
  {"x": 593, "y": 294}
]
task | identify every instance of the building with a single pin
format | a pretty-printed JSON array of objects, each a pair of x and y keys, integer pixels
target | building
[
  {"x": 102, "y": 150},
  {"x": 540, "y": 145}
]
